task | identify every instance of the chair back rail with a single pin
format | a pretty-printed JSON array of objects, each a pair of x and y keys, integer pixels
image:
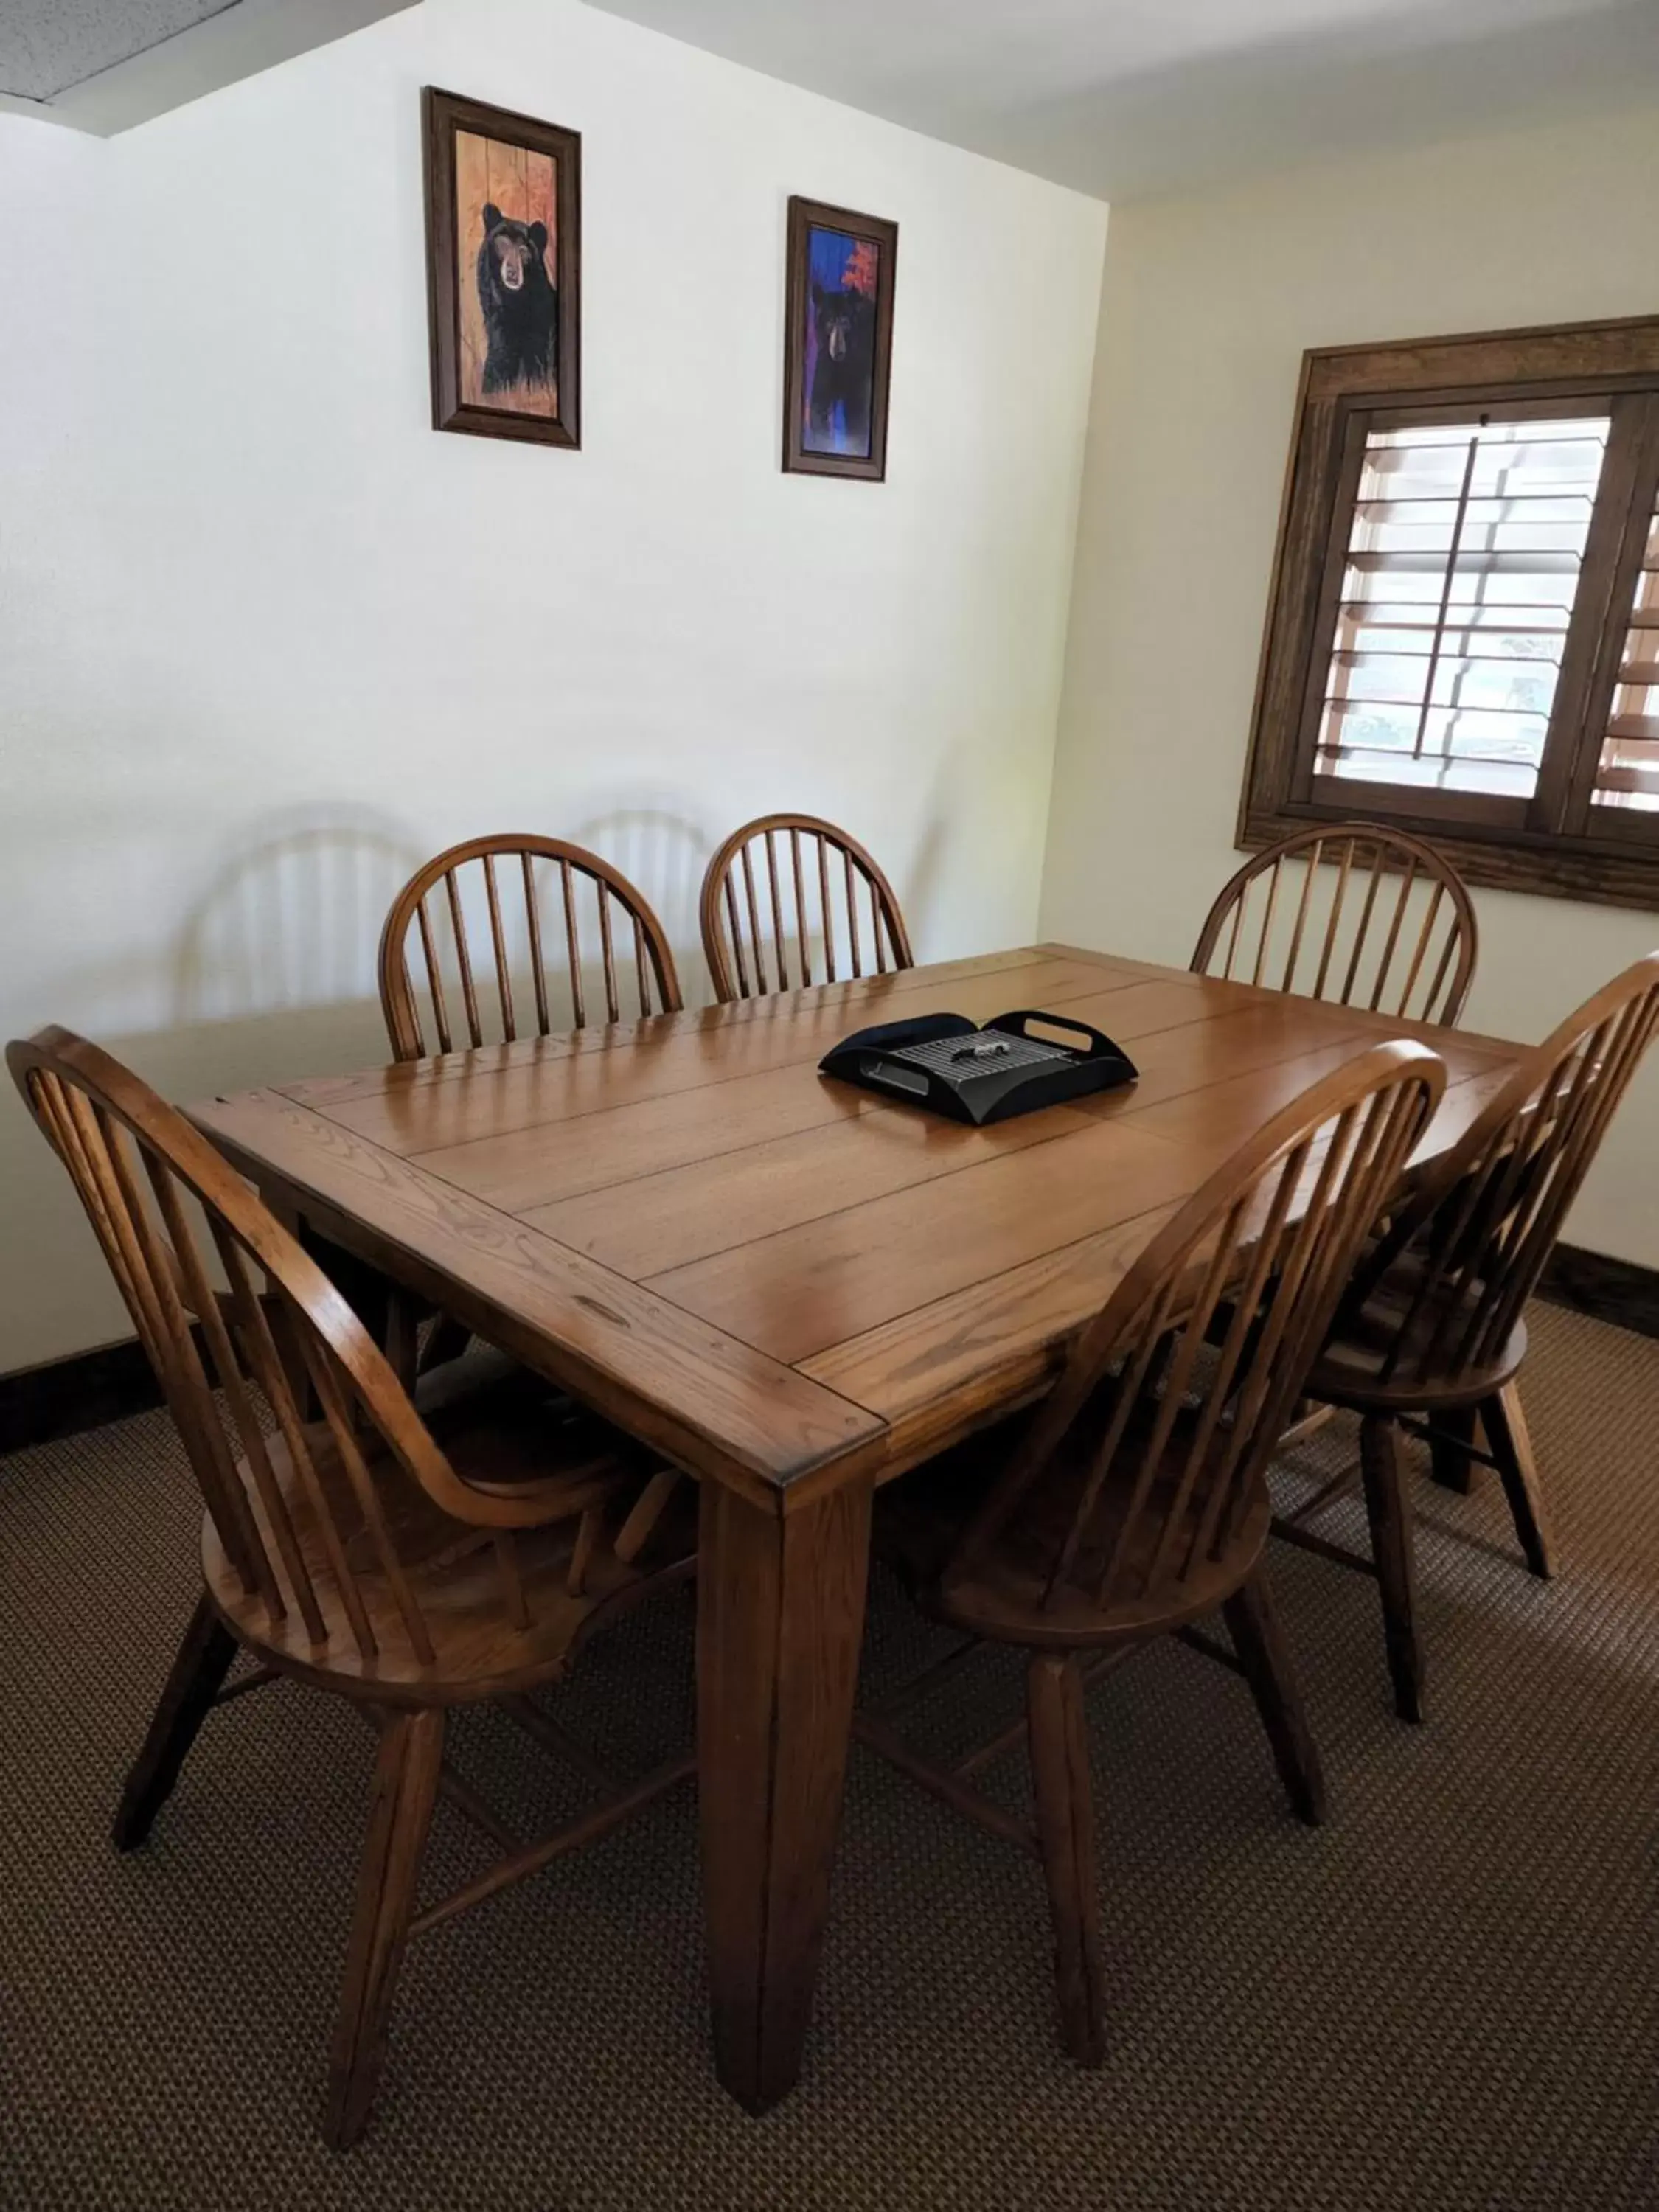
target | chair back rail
[
  {"x": 261, "y": 1359},
  {"x": 493, "y": 904},
  {"x": 1353, "y": 914},
  {"x": 1470, "y": 1248},
  {"x": 1146, "y": 1460},
  {"x": 783, "y": 883}
]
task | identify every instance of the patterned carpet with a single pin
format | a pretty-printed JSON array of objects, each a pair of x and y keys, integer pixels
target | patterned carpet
[{"x": 1447, "y": 1999}]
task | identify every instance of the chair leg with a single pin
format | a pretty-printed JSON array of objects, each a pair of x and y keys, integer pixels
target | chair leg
[
  {"x": 1511, "y": 1447},
  {"x": 1382, "y": 1473},
  {"x": 1449, "y": 1460},
  {"x": 202, "y": 1662},
  {"x": 405, "y": 1786},
  {"x": 1264, "y": 1655},
  {"x": 1065, "y": 1812}
]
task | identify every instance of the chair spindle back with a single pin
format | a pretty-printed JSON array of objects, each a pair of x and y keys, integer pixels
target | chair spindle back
[
  {"x": 272, "y": 1373},
  {"x": 1145, "y": 1462},
  {"x": 496, "y": 903},
  {"x": 1480, "y": 1230},
  {"x": 1352, "y": 914},
  {"x": 784, "y": 883}
]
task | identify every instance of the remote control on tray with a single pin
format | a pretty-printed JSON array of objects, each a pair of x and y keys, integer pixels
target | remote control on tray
[{"x": 945, "y": 1062}]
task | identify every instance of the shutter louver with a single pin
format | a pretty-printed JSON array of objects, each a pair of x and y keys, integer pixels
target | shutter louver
[
  {"x": 1462, "y": 633},
  {"x": 1458, "y": 585},
  {"x": 1627, "y": 774}
]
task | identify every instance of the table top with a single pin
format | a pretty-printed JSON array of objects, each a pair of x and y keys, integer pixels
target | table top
[{"x": 780, "y": 1280}]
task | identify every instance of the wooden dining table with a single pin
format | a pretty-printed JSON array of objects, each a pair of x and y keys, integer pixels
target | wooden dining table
[{"x": 794, "y": 1289}]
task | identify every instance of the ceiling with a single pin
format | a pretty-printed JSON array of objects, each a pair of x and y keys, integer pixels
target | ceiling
[
  {"x": 103, "y": 66},
  {"x": 46, "y": 49},
  {"x": 1125, "y": 97},
  {"x": 1119, "y": 97}
]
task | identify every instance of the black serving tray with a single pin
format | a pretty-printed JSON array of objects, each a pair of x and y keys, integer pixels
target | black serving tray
[{"x": 951, "y": 1066}]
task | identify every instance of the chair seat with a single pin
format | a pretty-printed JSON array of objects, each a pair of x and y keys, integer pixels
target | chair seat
[
  {"x": 503, "y": 1431},
  {"x": 921, "y": 1519},
  {"x": 1349, "y": 1370}
]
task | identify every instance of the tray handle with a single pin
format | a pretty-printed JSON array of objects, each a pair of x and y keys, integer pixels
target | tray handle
[{"x": 1018, "y": 1025}]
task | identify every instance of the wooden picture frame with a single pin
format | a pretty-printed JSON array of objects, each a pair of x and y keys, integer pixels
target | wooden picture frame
[
  {"x": 503, "y": 228},
  {"x": 838, "y": 341}
]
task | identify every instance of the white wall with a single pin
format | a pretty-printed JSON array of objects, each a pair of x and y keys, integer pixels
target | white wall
[
  {"x": 266, "y": 641},
  {"x": 1208, "y": 304}
]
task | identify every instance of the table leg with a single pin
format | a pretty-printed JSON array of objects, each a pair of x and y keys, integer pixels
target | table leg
[
  {"x": 389, "y": 1313},
  {"x": 780, "y": 1619}
]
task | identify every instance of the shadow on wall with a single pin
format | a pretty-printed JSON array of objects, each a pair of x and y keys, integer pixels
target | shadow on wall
[
  {"x": 663, "y": 855},
  {"x": 56, "y": 1295},
  {"x": 274, "y": 978},
  {"x": 293, "y": 920}
]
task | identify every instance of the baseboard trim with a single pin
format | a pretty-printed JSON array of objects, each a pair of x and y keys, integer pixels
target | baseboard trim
[
  {"x": 62, "y": 1397},
  {"x": 1617, "y": 1290}
]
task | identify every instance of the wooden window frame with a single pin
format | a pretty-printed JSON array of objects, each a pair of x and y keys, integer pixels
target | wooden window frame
[{"x": 1557, "y": 842}]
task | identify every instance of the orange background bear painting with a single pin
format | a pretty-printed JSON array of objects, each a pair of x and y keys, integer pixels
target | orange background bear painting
[{"x": 507, "y": 253}]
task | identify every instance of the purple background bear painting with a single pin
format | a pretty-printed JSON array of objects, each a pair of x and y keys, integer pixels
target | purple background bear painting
[{"x": 843, "y": 273}]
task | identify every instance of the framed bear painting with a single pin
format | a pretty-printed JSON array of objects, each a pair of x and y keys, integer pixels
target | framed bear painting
[
  {"x": 503, "y": 225},
  {"x": 838, "y": 341}
]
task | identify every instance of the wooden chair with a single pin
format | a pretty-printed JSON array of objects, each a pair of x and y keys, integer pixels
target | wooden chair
[
  {"x": 514, "y": 916},
  {"x": 1135, "y": 1500},
  {"x": 1430, "y": 1336},
  {"x": 1378, "y": 920},
  {"x": 796, "y": 905},
  {"x": 408, "y": 1564}
]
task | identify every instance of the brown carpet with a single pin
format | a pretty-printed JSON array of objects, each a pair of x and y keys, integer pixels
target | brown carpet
[{"x": 1449, "y": 1998}]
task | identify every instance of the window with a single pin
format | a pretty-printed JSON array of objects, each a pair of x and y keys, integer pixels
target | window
[{"x": 1463, "y": 637}]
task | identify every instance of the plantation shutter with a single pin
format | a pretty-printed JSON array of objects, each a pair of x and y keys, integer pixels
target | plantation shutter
[
  {"x": 1627, "y": 771},
  {"x": 1458, "y": 584}
]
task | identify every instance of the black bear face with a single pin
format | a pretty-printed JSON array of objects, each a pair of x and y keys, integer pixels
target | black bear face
[
  {"x": 838, "y": 315},
  {"x": 518, "y": 302},
  {"x": 513, "y": 251}
]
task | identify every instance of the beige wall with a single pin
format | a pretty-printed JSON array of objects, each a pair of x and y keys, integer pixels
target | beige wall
[
  {"x": 266, "y": 642},
  {"x": 1208, "y": 304}
]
